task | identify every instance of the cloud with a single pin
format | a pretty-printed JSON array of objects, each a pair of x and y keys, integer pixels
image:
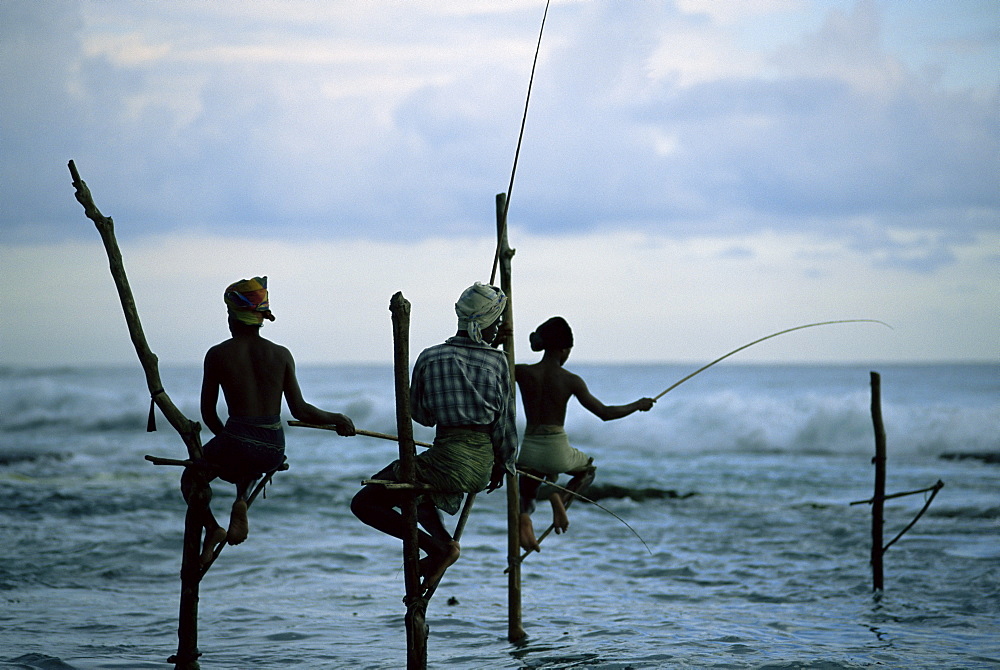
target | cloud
[
  {"x": 714, "y": 153},
  {"x": 832, "y": 127},
  {"x": 337, "y": 122}
]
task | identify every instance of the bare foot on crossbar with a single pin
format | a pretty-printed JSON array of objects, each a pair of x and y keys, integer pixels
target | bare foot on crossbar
[{"x": 239, "y": 525}]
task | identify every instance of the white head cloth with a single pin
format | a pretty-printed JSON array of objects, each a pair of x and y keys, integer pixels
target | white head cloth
[{"x": 479, "y": 306}]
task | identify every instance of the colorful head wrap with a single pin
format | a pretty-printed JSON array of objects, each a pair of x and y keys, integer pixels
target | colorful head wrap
[
  {"x": 479, "y": 306},
  {"x": 553, "y": 334},
  {"x": 247, "y": 301}
]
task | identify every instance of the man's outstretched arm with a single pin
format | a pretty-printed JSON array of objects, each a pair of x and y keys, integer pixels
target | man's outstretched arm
[{"x": 308, "y": 413}]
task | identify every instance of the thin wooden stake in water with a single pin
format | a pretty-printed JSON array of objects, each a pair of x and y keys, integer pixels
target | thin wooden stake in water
[{"x": 878, "y": 499}]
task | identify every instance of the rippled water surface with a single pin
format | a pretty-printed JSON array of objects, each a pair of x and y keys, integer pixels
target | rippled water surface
[{"x": 758, "y": 562}]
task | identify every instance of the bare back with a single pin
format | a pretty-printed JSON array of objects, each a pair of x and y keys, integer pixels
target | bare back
[
  {"x": 546, "y": 388},
  {"x": 253, "y": 373},
  {"x": 545, "y": 392}
]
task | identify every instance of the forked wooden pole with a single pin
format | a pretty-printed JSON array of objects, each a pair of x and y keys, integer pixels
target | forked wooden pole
[
  {"x": 187, "y": 629},
  {"x": 877, "y": 501}
]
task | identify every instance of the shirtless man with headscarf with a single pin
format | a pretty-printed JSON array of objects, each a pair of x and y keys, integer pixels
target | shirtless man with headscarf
[
  {"x": 254, "y": 375},
  {"x": 463, "y": 388},
  {"x": 546, "y": 387}
]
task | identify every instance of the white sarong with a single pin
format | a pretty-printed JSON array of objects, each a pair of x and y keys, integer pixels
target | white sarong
[{"x": 546, "y": 449}]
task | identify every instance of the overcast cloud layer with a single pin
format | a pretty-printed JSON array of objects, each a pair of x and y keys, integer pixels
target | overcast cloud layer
[{"x": 742, "y": 166}]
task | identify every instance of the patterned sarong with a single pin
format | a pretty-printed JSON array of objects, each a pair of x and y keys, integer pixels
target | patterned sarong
[
  {"x": 249, "y": 447},
  {"x": 460, "y": 461}
]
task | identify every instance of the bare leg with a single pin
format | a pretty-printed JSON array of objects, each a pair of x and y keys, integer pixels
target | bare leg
[
  {"x": 581, "y": 479},
  {"x": 529, "y": 491},
  {"x": 213, "y": 538},
  {"x": 560, "y": 520},
  {"x": 527, "y": 533},
  {"x": 239, "y": 524},
  {"x": 214, "y": 533},
  {"x": 433, "y": 566},
  {"x": 429, "y": 517},
  {"x": 376, "y": 506}
]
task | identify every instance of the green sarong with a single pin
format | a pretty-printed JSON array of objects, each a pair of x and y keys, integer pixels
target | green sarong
[{"x": 460, "y": 461}]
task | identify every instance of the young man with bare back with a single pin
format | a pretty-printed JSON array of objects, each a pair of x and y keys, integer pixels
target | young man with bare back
[
  {"x": 254, "y": 375},
  {"x": 546, "y": 387}
]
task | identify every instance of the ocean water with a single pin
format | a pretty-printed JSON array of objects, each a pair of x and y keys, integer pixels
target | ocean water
[{"x": 758, "y": 562}]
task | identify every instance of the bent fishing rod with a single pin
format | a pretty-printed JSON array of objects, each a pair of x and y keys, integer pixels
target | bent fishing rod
[{"x": 767, "y": 337}]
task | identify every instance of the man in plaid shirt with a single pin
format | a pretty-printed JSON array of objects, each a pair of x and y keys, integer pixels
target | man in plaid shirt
[{"x": 463, "y": 388}]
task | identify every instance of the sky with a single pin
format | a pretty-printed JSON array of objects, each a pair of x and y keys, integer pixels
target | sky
[{"x": 693, "y": 174}]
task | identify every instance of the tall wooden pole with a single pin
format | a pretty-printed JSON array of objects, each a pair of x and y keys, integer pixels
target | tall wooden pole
[
  {"x": 201, "y": 493},
  {"x": 187, "y": 654},
  {"x": 416, "y": 605},
  {"x": 515, "y": 631},
  {"x": 878, "y": 499}
]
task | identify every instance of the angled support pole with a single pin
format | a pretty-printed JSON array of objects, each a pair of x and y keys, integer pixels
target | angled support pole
[
  {"x": 187, "y": 631},
  {"x": 188, "y": 430}
]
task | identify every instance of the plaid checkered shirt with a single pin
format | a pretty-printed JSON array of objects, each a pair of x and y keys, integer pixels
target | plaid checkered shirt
[{"x": 462, "y": 382}]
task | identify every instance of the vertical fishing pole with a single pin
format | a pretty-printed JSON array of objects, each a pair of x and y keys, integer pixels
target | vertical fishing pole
[{"x": 517, "y": 151}]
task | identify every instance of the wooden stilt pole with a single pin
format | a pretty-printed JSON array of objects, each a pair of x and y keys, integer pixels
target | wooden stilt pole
[
  {"x": 187, "y": 630},
  {"x": 187, "y": 654},
  {"x": 878, "y": 499},
  {"x": 416, "y": 604},
  {"x": 515, "y": 630}
]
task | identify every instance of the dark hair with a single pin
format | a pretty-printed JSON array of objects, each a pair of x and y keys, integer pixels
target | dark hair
[{"x": 553, "y": 334}]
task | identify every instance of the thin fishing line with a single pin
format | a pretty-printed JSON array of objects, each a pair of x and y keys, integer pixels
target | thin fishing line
[
  {"x": 517, "y": 151},
  {"x": 586, "y": 499}
]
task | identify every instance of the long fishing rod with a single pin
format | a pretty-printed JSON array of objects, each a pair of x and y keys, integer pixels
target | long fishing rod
[
  {"x": 517, "y": 151},
  {"x": 780, "y": 332}
]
